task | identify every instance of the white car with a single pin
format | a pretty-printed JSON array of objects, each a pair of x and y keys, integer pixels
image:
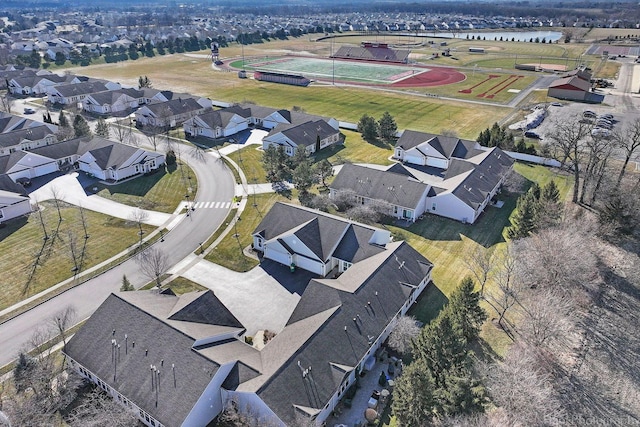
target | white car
[{"x": 601, "y": 132}]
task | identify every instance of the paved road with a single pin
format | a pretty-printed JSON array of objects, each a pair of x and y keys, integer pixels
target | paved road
[{"x": 216, "y": 184}]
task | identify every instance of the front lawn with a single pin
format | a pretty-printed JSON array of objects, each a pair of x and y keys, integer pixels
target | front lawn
[
  {"x": 22, "y": 243},
  {"x": 161, "y": 191}
]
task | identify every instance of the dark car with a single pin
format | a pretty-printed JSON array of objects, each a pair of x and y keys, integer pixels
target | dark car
[{"x": 532, "y": 135}]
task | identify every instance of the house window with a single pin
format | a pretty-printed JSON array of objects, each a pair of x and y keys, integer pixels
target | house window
[
  {"x": 1, "y": 214},
  {"x": 433, "y": 206},
  {"x": 344, "y": 265},
  {"x": 289, "y": 150},
  {"x": 360, "y": 200},
  {"x": 395, "y": 210}
]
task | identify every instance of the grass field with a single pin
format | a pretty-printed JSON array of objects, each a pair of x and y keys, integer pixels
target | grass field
[
  {"x": 161, "y": 191},
  {"x": 21, "y": 240},
  {"x": 194, "y": 75},
  {"x": 327, "y": 69}
]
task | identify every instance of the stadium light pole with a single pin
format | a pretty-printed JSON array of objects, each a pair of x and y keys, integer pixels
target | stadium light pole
[{"x": 333, "y": 65}]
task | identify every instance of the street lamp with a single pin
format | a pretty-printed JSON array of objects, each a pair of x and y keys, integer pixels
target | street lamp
[{"x": 235, "y": 228}]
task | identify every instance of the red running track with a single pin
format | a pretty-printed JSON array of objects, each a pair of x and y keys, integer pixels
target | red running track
[{"x": 434, "y": 77}]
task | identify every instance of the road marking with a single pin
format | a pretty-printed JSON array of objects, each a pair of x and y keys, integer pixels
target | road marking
[{"x": 211, "y": 205}]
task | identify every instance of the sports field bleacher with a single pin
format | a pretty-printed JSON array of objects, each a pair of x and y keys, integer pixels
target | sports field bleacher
[{"x": 373, "y": 52}]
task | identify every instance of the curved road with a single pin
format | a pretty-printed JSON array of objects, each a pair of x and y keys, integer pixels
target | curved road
[{"x": 216, "y": 184}]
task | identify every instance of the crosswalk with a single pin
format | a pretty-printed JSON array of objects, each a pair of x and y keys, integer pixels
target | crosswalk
[{"x": 212, "y": 205}]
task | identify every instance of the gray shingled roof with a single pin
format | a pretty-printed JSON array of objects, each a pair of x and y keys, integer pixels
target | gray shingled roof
[
  {"x": 156, "y": 343},
  {"x": 321, "y": 233},
  {"x": 306, "y": 133},
  {"x": 174, "y": 107},
  {"x": 110, "y": 96},
  {"x": 484, "y": 178},
  {"x": 331, "y": 347},
  {"x": 7, "y": 184},
  {"x": 397, "y": 189},
  {"x": 108, "y": 154},
  {"x": 12, "y": 138},
  {"x": 84, "y": 88},
  {"x": 447, "y": 146}
]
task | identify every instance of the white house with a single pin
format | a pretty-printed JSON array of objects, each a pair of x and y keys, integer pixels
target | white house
[
  {"x": 424, "y": 149},
  {"x": 75, "y": 93},
  {"x": 406, "y": 195},
  {"x": 110, "y": 160},
  {"x": 218, "y": 123},
  {"x": 168, "y": 114},
  {"x": 113, "y": 101},
  {"x": 23, "y": 164},
  {"x": 313, "y": 136},
  {"x": 14, "y": 202},
  {"x": 26, "y": 139}
]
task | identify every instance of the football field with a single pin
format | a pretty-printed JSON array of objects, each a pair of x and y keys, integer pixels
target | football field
[{"x": 340, "y": 70}]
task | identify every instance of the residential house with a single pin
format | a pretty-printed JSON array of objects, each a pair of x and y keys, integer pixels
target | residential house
[
  {"x": 461, "y": 178},
  {"x": 312, "y": 136},
  {"x": 10, "y": 122},
  {"x": 39, "y": 85},
  {"x": 178, "y": 361},
  {"x": 317, "y": 243},
  {"x": 14, "y": 202},
  {"x": 102, "y": 158},
  {"x": 425, "y": 149},
  {"x": 113, "y": 102},
  {"x": 168, "y": 114},
  {"x": 75, "y": 93},
  {"x": 405, "y": 194},
  {"x": 26, "y": 139},
  {"x": 218, "y": 123}
]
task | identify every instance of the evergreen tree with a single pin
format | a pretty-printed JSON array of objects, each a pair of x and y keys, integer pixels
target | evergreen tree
[
  {"x": 461, "y": 395},
  {"x": 126, "y": 285},
  {"x": 81, "y": 127},
  {"x": 62, "y": 120},
  {"x": 413, "y": 399},
  {"x": 524, "y": 217},
  {"x": 368, "y": 127},
  {"x": 550, "y": 192},
  {"x": 387, "y": 128},
  {"x": 275, "y": 162},
  {"x": 323, "y": 170},
  {"x": 441, "y": 345},
  {"x": 464, "y": 305},
  {"x": 144, "y": 81},
  {"x": 102, "y": 128},
  {"x": 303, "y": 176},
  {"x": 535, "y": 191}
]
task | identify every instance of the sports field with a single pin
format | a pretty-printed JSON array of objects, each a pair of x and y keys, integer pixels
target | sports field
[{"x": 351, "y": 71}]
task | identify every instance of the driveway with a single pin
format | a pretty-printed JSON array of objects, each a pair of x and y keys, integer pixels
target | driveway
[
  {"x": 245, "y": 138},
  {"x": 68, "y": 188},
  {"x": 262, "y": 298}
]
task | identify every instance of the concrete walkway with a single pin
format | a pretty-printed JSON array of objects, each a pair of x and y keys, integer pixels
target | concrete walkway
[{"x": 69, "y": 190}]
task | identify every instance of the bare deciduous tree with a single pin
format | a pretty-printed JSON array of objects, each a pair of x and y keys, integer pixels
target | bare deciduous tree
[
  {"x": 628, "y": 140},
  {"x": 97, "y": 409},
  {"x": 523, "y": 389},
  {"x": 153, "y": 263},
  {"x": 566, "y": 142},
  {"x": 509, "y": 287},
  {"x": 57, "y": 194},
  {"x": 63, "y": 320},
  {"x": 404, "y": 331},
  {"x": 123, "y": 134},
  {"x": 139, "y": 217},
  {"x": 546, "y": 317},
  {"x": 481, "y": 263},
  {"x": 6, "y": 102}
]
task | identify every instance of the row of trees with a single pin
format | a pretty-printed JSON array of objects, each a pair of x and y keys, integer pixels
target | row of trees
[
  {"x": 497, "y": 136},
  {"x": 384, "y": 129},
  {"x": 440, "y": 382}
]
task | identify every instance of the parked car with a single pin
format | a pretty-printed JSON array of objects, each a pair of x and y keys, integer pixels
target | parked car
[
  {"x": 556, "y": 104},
  {"x": 601, "y": 132},
  {"x": 532, "y": 135},
  {"x": 28, "y": 110},
  {"x": 589, "y": 114},
  {"x": 606, "y": 116}
]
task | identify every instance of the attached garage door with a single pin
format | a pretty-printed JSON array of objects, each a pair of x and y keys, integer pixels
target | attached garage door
[
  {"x": 44, "y": 169},
  {"x": 282, "y": 258},
  {"x": 437, "y": 163},
  {"x": 308, "y": 264},
  {"x": 416, "y": 160}
]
